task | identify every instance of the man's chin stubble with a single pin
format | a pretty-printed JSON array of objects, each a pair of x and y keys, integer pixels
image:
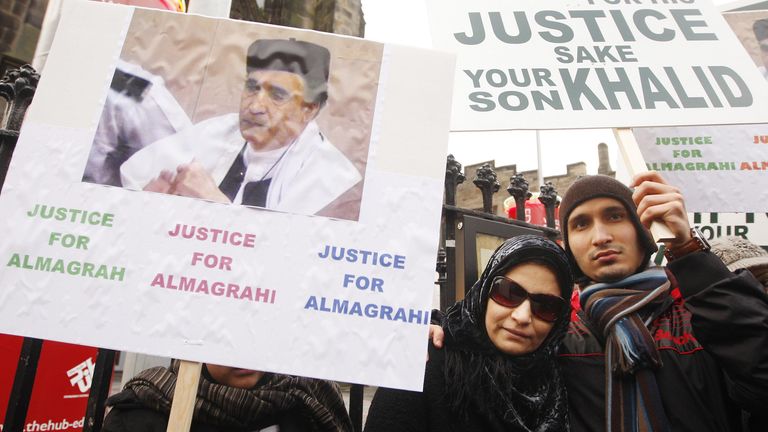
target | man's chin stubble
[{"x": 612, "y": 275}]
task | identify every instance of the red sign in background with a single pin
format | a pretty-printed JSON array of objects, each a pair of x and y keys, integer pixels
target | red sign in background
[
  {"x": 173, "y": 5},
  {"x": 535, "y": 212},
  {"x": 62, "y": 384}
]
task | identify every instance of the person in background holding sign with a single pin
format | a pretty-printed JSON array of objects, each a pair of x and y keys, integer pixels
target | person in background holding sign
[
  {"x": 272, "y": 154},
  {"x": 232, "y": 400},
  {"x": 739, "y": 253},
  {"x": 498, "y": 370},
  {"x": 681, "y": 348}
]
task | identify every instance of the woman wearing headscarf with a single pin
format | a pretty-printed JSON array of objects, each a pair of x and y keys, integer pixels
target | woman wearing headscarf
[
  {"x": 497, "y": 371},
  {"x": 231, "y": 400}
]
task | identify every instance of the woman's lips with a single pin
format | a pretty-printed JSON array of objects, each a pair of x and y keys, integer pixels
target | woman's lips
[{"x": 516, "y": 334}]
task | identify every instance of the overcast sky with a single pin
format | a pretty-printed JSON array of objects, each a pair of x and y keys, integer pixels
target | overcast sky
[{"x": 405, "y": 22}]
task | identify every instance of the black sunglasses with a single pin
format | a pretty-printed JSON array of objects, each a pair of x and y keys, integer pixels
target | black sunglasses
[{"x": 509, "y": 293}]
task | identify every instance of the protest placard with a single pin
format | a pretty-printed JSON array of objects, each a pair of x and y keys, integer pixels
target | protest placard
[
  {"x": 530, "y": 64},
  {"x": 750, "y": 226},
  {"x": 114, "y": 237},
  {"x": 718, "y": 168}
]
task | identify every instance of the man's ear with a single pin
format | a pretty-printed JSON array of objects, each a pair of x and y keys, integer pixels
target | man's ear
[{"x": 310, "y": 110}]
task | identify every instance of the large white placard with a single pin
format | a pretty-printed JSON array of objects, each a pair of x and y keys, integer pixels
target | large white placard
[
  {"x": 723, "y": 169},
  {"x": 338, "y": 289},
  {"x": 718, "y": 168},
  {"x": 531, "y": 64}
]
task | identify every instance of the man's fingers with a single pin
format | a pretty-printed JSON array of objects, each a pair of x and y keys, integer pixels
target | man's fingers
[
  {"x": 675, "y": 199},
  {"x": 649, "y": 188},
  {"x": 670, "y": 213},
  {"x": 166, "y": 175},
  {"x": 647, "y": 176},
  {"x": 659, "y": 201},
  {"x": 189, "y": 166},
  {"x": 660, "y": 211},
  {"x": 158, "y": 184}
]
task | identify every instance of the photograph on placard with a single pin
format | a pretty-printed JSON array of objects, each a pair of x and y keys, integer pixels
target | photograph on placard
[{"x": 229, "y": 112}]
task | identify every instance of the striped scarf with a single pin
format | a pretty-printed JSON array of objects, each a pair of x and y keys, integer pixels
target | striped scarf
[
  {"x": 622, "y": 311},
  {"x": 318, "y": 402}
]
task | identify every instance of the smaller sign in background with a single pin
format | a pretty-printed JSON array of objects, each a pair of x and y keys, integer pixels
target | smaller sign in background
[
  {"x": 717, "y": 168},
  {"x": 751, "y": 226}
]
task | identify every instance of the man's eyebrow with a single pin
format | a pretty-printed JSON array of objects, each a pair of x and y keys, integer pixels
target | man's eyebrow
[
  {"x": 579, "y": 217},
  {"x": 615, "y": 209},
  {"x": 262, "y": 82}
]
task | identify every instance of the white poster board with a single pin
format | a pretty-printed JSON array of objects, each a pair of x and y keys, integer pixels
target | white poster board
[
  {"x": 342, "y": 293},
  {"x": 750, "y": 226},
  {"x": 718, "y": 168},
  {"x": 530, "y": 64}
]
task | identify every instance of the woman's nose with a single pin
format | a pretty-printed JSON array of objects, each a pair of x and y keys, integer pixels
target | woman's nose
[{"x": 522, "y": 314}]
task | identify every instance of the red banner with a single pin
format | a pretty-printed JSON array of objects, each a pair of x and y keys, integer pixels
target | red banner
[
  {"x": 62, "y": 384},
  {"x": 174, "y": 5},
  {"x": 535, "y": 212}
]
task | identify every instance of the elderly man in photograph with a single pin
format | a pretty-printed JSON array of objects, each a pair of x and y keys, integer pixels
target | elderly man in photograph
[{"x": 271, "y": 154}]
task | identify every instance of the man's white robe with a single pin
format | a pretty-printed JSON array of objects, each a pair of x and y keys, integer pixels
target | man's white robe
[{"x": 311, "y": 174}]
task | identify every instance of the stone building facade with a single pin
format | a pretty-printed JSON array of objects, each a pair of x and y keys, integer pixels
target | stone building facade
[
  {"x": 468, "y": 195},
  {"x": 20, "y": 22},
  {"x": 332, "y": 16}
]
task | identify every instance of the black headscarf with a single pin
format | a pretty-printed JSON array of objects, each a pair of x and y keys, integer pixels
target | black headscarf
[{"x": 526, "y": 391}]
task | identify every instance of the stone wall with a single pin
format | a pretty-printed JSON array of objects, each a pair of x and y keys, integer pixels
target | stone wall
[
  {"x": 332, "y": 16},
  {"x": 13, "y": 14},
  {"x": 348, "y": 18},
  {"x": 20, "y": 23},
  {"x": 468, "y": 195}
]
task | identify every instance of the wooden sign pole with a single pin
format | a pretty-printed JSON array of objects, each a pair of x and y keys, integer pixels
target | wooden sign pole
[
  {"x": 184, "y": 396},
  {"x": 188, "y": 378},
  {"x": 633, "y": 160}
]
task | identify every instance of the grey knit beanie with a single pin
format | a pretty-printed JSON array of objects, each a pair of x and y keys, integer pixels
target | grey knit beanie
[{"x": 738, "y": 253}]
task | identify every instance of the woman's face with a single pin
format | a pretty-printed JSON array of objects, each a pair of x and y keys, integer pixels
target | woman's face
[
  {"x": 234, "y": 377},
  {"x": 515, "y": 330}
]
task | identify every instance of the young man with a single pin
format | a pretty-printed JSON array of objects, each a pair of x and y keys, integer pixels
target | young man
[{"x": 683, "y": 348}]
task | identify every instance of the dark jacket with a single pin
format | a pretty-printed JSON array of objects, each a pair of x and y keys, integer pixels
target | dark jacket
[
  {"x": 713, "y": 342},
  {"x": 427, "y": 411},
  {"x": 129, "y": 415}
]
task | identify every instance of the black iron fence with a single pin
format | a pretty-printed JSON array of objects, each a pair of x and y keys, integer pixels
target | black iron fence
[{"x": 457, "y": 263}]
